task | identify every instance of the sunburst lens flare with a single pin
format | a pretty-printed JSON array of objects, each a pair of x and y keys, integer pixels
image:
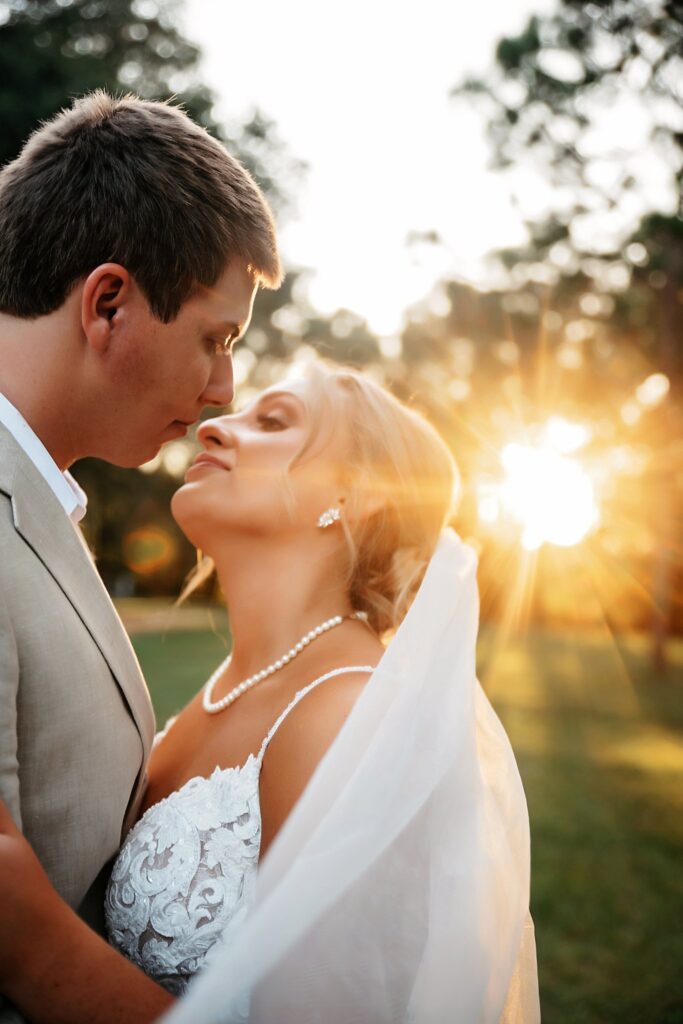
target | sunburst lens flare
[
  {"x": 550, "y": 495},
  {"x": 565, "y": 437}
]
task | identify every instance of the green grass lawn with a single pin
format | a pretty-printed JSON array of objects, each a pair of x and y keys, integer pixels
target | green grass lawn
[
  {"x": 176, "y": 665},
  {"x": 600, "y": 748}
]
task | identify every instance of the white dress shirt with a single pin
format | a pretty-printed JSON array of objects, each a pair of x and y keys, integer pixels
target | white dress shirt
[{"x": 71, "y": 497}]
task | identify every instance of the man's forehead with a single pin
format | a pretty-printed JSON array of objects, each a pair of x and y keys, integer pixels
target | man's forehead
[
  {"x": 224, "y": 315},
  {"x": 228, "y": 291}
]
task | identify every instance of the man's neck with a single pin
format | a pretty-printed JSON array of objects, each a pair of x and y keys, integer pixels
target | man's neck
[
  {"x": 51, "y": 439},
  {"x": 33, "y": 377}
]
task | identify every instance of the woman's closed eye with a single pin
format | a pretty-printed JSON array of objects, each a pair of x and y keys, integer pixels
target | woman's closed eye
[{"x": 270, "y": 422}]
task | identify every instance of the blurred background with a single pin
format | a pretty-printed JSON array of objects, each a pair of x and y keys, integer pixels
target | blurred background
[{"x": 481, "y": 207}]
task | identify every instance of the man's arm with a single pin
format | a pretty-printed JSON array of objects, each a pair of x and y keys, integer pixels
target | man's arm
[
  {"x": 52, "y": 966},
  {"x": 9, "y": 766},
  {"x": 9, "y": 690}
]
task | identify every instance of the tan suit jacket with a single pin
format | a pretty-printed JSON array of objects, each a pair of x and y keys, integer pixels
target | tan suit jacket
[{"x": 76, "y": 722}]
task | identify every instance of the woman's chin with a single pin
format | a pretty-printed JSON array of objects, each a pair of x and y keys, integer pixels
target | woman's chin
[
  {"x": 196, "y": 518},
  {"x": 177, "y": 502},
  {"x": 187, "y": 515}
]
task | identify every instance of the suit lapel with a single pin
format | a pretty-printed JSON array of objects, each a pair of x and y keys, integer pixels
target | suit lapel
[{"x": 49, "y": 532}]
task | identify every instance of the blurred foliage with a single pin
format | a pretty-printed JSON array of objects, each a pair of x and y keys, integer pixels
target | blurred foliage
[
  {"x": 568, "y": 73},
  {"x": 557, "y": 102},
  {"x": 53, "y": 50}
]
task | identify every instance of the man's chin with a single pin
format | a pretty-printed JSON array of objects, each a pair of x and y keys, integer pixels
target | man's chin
[
  {"x": 132, "y": 459},
  {"x": 139, "y": 454}
]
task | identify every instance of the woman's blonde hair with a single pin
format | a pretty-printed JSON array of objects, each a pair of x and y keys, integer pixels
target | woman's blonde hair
[{"x": 396, "y": 462}]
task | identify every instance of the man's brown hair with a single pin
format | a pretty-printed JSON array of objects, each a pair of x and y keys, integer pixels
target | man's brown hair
[{"x": 124, "y": 180}]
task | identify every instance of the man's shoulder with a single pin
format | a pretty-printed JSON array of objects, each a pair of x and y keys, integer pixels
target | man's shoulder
[
  {"x": 6, "y": 514},
  {"x": 10, "y": 458},
  {"x": 18, "y": 549},
  {"x": 15, "y": 554},
  {"x": 23, "y": 486}
]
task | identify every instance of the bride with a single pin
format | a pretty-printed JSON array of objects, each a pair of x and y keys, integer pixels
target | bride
[{"x": 334, "y": 827}]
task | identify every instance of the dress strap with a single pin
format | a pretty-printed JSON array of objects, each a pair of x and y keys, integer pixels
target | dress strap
[
  {"x": 159, "y": 736},
  {"x": 300, "y": 694}
]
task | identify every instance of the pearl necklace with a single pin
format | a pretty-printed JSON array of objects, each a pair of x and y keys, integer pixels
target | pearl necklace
[{"x": 213, "y": 707}]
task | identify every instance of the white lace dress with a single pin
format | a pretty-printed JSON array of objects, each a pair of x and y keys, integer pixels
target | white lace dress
[{"x": 185, "y": 875}]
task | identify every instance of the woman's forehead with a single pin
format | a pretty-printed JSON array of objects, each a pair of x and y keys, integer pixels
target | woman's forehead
[
  {"x": 297, "y": 386},
  {"x": 313, "y": 397},
  {"x": 279, "y": 390},
  {"x": 304, "y": 391}
]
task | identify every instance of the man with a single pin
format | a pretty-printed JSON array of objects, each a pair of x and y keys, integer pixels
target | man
[{"x": 131, "y": 247}]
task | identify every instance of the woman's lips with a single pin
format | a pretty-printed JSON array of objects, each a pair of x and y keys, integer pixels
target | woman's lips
[{"x": 209, "y": 460}]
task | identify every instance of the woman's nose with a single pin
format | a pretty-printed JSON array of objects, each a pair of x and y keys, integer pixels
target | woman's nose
[{"x": 216, "y": 431}]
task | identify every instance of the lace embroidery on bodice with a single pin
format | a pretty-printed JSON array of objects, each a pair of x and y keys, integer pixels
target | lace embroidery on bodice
[{"x": 187, "y": 870}]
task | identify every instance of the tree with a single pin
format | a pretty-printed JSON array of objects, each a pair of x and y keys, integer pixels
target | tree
[
  {"x": 586, "y": 103},
  {"x": 52, "y": 50}
]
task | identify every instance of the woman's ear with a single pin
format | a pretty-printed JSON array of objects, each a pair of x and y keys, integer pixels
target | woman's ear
[
  {"x": 105, "y": 291},
  {"x": 363, "y": 501}
]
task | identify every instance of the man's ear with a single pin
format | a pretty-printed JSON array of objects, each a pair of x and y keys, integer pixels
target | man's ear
[{"x": 105, "y": 291}]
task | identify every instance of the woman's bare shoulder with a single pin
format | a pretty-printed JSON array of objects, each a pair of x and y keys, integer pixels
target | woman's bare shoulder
[
  {"x": 299, "y": 745},
  {"x": 309, "y": 728}
]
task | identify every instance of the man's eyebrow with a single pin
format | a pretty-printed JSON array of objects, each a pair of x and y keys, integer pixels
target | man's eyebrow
[{"x": 226, "y": 327}]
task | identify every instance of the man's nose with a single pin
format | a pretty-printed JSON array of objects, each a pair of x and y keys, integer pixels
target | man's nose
[{"x": 220, "y": 390}]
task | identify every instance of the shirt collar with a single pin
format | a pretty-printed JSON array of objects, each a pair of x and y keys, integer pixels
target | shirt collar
[{"x": 70, "y": 495}]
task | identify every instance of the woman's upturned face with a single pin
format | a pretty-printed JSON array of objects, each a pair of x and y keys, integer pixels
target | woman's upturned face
[{"x": 241, "y": 484}]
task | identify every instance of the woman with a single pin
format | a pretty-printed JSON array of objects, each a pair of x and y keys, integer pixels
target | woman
[{"x": 398, "y": 889}]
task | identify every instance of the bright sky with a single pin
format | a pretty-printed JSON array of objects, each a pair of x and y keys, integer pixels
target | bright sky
[{"x": 359, "y": 91}]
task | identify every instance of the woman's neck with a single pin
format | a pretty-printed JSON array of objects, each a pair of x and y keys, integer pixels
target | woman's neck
[{"x": 277, "y": 590}]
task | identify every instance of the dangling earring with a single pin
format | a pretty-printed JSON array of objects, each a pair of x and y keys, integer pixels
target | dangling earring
[{"x": 328, "y": 518}]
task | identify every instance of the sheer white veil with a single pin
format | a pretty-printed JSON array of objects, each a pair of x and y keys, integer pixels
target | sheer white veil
[{"x": 398, "y": 889}]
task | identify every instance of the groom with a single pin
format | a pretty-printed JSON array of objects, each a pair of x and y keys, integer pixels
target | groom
[{"x": 131, "y": 247}]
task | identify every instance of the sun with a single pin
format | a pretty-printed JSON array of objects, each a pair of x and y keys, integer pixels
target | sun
[
  {"x": 549, "y": 494},
  {"x": 544, "y": 488}
]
